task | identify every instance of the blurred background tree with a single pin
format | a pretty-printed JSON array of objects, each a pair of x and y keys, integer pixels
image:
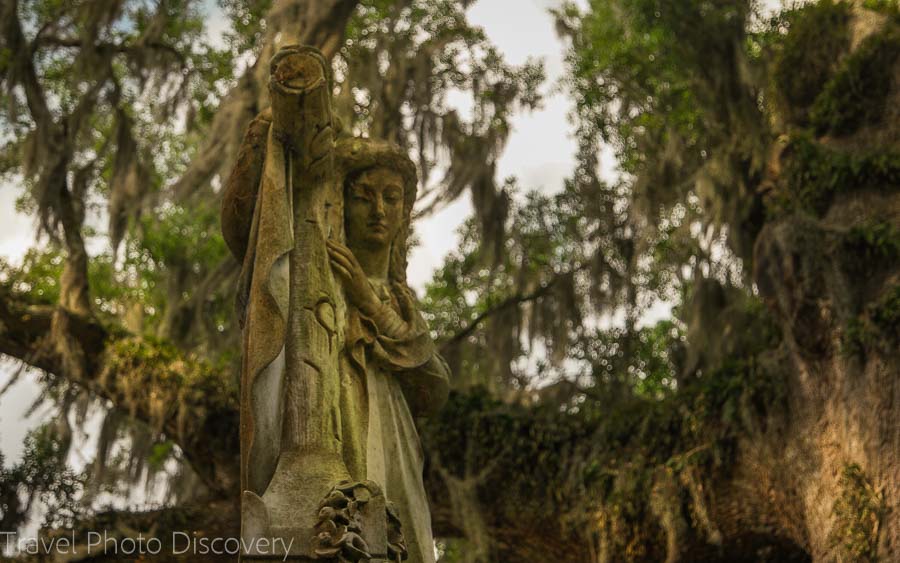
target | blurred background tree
[{"x": 755, "y": 196}]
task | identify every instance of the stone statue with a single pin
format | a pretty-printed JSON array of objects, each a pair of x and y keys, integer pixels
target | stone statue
[{"x": 337, "y": 359}]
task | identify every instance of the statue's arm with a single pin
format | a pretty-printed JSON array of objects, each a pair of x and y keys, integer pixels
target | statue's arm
[
  {"x": 388, "y": 322},
  {"x": 239, "y": 198},
  {"x": 427, "y": 385}
]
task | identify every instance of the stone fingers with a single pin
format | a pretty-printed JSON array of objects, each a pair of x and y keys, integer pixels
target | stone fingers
[
  {"x": 342, "y": 250},
  {"x": 341, "y": 259},
  {"x": 340, "y": 265}
]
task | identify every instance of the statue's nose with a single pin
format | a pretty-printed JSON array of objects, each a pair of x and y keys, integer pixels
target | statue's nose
[{"x": 378, "y": 208}]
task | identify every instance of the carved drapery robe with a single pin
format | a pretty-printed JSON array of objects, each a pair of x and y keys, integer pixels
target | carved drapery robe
[
  {"x": 404, "y": 377},
  {"x": 388, "y": 368}
]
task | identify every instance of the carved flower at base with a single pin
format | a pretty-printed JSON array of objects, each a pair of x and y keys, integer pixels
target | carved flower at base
[
  {"x": 339, "y": 527},
  {"x": 396, "y": 543}
]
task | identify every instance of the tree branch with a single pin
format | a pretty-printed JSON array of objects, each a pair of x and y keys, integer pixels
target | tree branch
[
  {"x": 118, "y": 48},
  {"x": 508, "y": 303},
  {"x": 172, "y": 392},
  {"x": 23, "y": 64}
]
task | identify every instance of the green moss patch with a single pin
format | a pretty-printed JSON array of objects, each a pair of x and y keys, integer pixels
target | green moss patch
[
  {"x": 858, "y": 512},
  {"x": 818, "y": 36},
  {"x": 857, "y": 94},
  {"x": 878, "y": 328},
  {"x": 815, "y": 174},
  {"x": 597, "y": 468}
]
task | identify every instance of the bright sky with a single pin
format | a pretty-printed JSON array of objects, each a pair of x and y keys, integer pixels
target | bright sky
[{"x": 540, "y": 153}]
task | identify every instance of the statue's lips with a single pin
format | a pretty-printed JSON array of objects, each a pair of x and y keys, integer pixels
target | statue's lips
[{"x": 378, "y": 227}]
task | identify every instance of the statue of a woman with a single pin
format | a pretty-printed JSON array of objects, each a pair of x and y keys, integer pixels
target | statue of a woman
[
  {"x": 387, "y": 341},
  {"x": 337, "y": 359}
]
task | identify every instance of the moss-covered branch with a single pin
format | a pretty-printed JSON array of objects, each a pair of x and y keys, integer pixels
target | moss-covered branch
[{"x": 176, "y": 394}]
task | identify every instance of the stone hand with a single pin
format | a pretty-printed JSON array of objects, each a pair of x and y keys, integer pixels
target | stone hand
[{"x": 355, "y": 281}]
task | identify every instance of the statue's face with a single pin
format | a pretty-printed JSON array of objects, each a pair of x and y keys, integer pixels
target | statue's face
[{"x": 373, "y": 208}]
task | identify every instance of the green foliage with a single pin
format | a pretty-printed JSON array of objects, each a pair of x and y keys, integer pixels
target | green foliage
[
  {"x": 677, "y": 90},
  {"x": 818, "y": 36},
  {"x": 858, "y": 512},
  {"x": 641, "y": 362},
  {"x": 878, "y": 327},
  {"x": 139, "y": 364},
  {"x": 181, "y": 236},
  {"x": 134, "y": 106},
  {"x": 247, "y": 24},
  {"x": 815, "y": 175},
  {"x": 603, "y": 460},
  {"x": 872, "y": 245},
  {"x": 889, "y": 7},
  {"x": 654, "y": 367},
  {"x": 857, "y": 93},
  {"x": 41, "y": 476},
  {"x": 179, "y": 247},
  {"x": 537, "y": 264},
  {"x": 38, "y": 276},
  {"x": 627, "y": 71}
]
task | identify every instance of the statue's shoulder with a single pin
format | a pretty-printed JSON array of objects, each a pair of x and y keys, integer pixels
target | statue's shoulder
[
  {"x": 258, "y": 129},
  {"x": 255, "y": 137},
  {"x": 265, "y": 116},
  {"x": 239, "y": 197}
]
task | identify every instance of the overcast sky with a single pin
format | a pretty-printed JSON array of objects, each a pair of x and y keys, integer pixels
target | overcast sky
[{"x": 540, "y": 153}]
